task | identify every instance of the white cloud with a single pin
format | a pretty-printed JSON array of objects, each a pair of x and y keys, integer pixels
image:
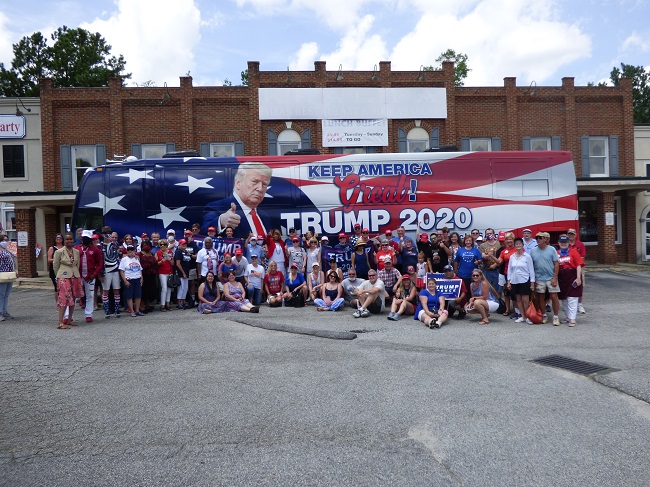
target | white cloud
[
  {"x": 500, "y": 37},
  {"x": 156, "y": 37},
  {"x": 636, "y": 41},
  {"x": 6, "y": 41},
  {"x": 305, "y": 57}
]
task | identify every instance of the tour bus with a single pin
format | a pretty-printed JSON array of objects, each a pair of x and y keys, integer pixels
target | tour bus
[{"x": 330, "y": 193}]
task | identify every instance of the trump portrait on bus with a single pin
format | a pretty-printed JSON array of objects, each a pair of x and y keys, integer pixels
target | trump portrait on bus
[{"x": 239, "y": 211}]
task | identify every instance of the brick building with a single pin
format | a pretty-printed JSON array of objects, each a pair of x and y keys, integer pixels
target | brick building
[{"x": 282, "y": 110}]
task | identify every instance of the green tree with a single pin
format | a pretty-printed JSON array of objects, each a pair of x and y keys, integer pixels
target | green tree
[
  {"x": 244, "y": 77},
  {"x": 640, "y": 89},
  {"x": 76, "y": 58},
  {"x": 461, "y": 69}
]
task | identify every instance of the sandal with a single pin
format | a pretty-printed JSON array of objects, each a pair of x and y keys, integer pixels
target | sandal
[
  {"x": 484, "y": 322},
  {"x": 71, "y": 322},
  {"x": 571, "y": 324},
  {"x": 63, "y": 326},
  {"x": 506, "y": 313}
]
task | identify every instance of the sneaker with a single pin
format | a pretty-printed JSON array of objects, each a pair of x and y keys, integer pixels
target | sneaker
[
  {"x": 391, "y": 316},
  {"x": 2, "y": 318},
  {"x": 397, "y": 317},
  {"x": 461, "y": 314},
  {"x": 89, "y": 319},
  {"x": 519, "y": 320},
  {"x": 431, "y": 322},
  {"x": 437, "y": 324},
  {"x": 365, "y": 313},
  {"x": 528, "y": 322},
  {"x": 357, "y": 313},
  {"x": 545, "y": 319},
  {"x": 117, "y": 315},
  {"x": 139, "y": 313},
  {"x": 134, "y": 315},
  {"x": 108, "y": 317},
  {"x": 556, "y": 321},
  {"x": 581, "y": 309},
  {"x": 7, "y": 316}
]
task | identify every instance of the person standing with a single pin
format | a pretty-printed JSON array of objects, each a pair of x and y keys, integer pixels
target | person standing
[
  {"x": 182, "y": 262},
  {"x": 242, "y": 264},
  {"x": 467, "y": 260},
  {"x": 255, "y": 278},
  {"x": 547, "y": 267},
  {"x": 579, "y": 247},
  {"x": 90, "y": 267},
  {"x": 206, "y": 260},
  {"x": 131, "y": 272},
  {"x": 489, "y": 251},
  {"x": 7, "y": 264},
  {"x": 56, "y": 245},
  {"x": 529, "y": 242},
  {"x": 521, "y": 278},
  {"x": 66, "y": 267},
  {"x": 111, "y": 279},
  {"x": 569, "y": 278}
]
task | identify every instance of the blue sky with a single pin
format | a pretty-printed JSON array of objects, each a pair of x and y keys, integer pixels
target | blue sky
[{"x": 533, "y": 40}]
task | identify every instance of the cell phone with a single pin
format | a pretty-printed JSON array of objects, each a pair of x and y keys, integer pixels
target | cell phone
[{"x": 574, "y": 284}]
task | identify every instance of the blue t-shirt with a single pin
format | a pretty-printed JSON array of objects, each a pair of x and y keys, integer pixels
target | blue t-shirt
[
  {"x": 465, "y": 258},
  {"x": 544, "y": 262},
  {"x": 295, "y": 283},
  {"x": 409, "y": 257},
  {"x": 433, "y": 302}
]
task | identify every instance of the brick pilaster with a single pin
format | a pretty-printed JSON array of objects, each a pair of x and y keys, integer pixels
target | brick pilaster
[{"x": 26, "y": 222}]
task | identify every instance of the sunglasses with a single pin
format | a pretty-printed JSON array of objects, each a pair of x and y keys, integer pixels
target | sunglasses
[
  {"x": 476, "y": 275},
  {"x": 539, "y": 238},
  {"x": 372, "y": 275}
]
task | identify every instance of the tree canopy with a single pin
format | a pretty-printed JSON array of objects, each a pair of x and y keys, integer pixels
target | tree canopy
[
  {"x": 640, "y": 89},
  {"x": 76, "y": 58},
  {"x": 461, "y": 69}
]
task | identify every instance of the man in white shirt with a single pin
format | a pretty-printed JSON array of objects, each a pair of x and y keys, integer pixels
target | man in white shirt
[
  {"x": 350, "y": 284},
  {"x": 254, "y": 277},
  {"x": 207, "y": 259},
  {"x": 242, "y": 263},
  {"x": 371, "y": 295}
]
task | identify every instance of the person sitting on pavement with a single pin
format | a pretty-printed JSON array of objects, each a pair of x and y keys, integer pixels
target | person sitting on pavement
[
  {"x": 371, "y": 296},
  {"x": 431, "y": 306},
  {"x": 273, "y": 285},
  {"x": 456, "y": 304},
  {"x": 405, "y": 299},
  {"x": 315, "y": 280},
  {"x": 349, "y": 284},
  {"x": 209, "y": 295},
  {"x": 334, "y": 267},
  {"x": 483, "y": 298},
  {"x": 234, "y": 296},
  {"x": 331, "y": 294},
  {"x": 295, "y": 287}
]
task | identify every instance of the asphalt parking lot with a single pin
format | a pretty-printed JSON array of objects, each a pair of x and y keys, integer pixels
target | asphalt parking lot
[{"x": 186, "y": 399}]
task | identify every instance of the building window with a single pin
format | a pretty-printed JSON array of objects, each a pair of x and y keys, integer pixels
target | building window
[
  {"x": 589, "y": 220},
  {"x": 480, "y": 145},
  {"x": 354, "y": 150},
  {"x": 288, "y": 140},
  {"x": 540, "y": 143},
  {"x": 13, "y": 161},
  {"x": 598, "y": 157},
  {"x": 83, "y": 157},
  {"x": 417, "y": 140},
  {"x": 153, "y": 151},
  {"x": 222, "y": 150}
]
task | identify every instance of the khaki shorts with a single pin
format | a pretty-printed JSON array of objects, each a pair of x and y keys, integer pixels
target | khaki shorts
[
  {"x": 543, "y": 286},
  {"x": 111, "y": 280}
]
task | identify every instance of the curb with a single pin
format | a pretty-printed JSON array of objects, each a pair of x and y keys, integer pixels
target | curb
[{"x": 334, "y": 335}]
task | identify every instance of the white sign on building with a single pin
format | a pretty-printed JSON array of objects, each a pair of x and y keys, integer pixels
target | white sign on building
[
  {"x": 12, "y": 127},
  {"x": 355, "y": 133}
]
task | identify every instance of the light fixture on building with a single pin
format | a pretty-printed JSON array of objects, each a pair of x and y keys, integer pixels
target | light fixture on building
[
  {"x": 374, "y": 76},
  {"x": 531, "y": 89},
  {"x": 421, "y": 74},
  {"x": 339, "y": 75},
  {"x": 288, "y": 80},
  {"x": 166, "y": 95},
  {"x": 18, "y": 112}
]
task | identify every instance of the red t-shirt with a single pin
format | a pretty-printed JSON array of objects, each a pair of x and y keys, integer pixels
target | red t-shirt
[
  {"x": 505, "y": 255},
  {"x": 165, "y": 267},
  {"x": 274, "y": 282},
  {"x": 579, "y": 247},
  {"x": 571, "y": 261},
  {"x": 381, "y": 255}
]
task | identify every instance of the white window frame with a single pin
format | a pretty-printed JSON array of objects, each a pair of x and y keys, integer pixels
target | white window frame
[
  {"x": 477, "y": 140},
  {"x": 222, "y": 149},
  {"x": 75, "y": 167},
  {"x": 288, "y": 140},
  {"x": 153, "y": 151},
  {"x": 417, "y": 136},
  {"x": 540, "y": 140},
  {"x": 618, "y": 220},
  {"x": 604, "y": 157}
]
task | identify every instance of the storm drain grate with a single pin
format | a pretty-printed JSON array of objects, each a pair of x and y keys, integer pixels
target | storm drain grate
[{"x": 572, "y": 365}]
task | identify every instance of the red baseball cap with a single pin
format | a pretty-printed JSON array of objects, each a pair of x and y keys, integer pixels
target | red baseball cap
[
  {"x": 238, "y": 252},
  {"x": 502, "y": 236},
  {"x": 365, "y": 230},
  {"x": 188, "y": 232},
  {"x": 295, "y": 239},
  {"x": 342, "y": 235},
  {"x": 357, "y": 225},
  {"x": 260, "y": 237},
  {"x": 212, "y": 229},
  {"x": 182, "y": 241},
  {"x": 424, "y": 237},
  {"x": 388, "y": 232}
]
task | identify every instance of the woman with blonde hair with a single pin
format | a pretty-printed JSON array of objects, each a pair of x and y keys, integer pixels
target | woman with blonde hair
[{"x": 484, "y": 300}]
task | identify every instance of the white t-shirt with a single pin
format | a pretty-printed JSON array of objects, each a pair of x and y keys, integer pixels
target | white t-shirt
[
  {"x": 131, "y": 267},
  {"x": 365, "y": 285},
  {"x": 202, "y": 258},
  {"x": 349, "y": 287},
  {"x": 255, "y": 275}
]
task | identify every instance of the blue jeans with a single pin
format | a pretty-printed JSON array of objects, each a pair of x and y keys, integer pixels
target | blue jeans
[
  {"x": 5, "y": 291},
  {"x": 254, "y": 295},
  {"x": 492, "y": 276}
]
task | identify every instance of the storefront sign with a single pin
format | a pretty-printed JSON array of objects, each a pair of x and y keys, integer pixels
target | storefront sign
[
  {"x": 12, "y": 127},
  {"x": 355, "y": 133},
  {"x": 22, "y": 239}
]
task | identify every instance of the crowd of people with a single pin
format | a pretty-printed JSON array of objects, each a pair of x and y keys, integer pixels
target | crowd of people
[{"x": 499, "y": 273}]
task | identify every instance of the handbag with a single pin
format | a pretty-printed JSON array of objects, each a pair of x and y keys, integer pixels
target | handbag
[
  {"x": 173, "y": 281},
  {"x": 502, "y": 306},
  {"x": 533, "y": 314},
  {"x": 8, "y": 276}
]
